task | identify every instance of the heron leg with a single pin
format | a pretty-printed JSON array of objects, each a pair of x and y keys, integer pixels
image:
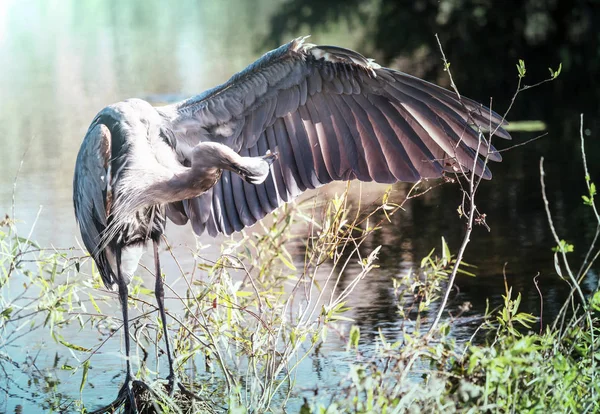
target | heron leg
[
  {"x": 159, "y": 291},
  {"x": 123, "y": 294}
]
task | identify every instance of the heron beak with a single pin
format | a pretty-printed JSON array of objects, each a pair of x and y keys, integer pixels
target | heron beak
[
  {"x": 255, "y": 170},
  {"x": 270, "y": 156}
]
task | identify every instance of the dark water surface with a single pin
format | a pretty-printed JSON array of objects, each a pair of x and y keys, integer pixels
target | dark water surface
[{"x": 63, "y": 61}]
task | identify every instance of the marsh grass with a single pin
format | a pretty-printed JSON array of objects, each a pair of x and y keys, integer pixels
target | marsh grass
[{"x": 250, "y": 318}]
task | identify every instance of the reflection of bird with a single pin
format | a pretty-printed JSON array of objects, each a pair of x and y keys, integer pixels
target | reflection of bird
[{"x": 307, "y": 114}]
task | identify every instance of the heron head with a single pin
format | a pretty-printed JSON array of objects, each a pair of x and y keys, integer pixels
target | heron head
[
  {"x": 211, "y": 155},
  {"x": 255, "y": 170}
]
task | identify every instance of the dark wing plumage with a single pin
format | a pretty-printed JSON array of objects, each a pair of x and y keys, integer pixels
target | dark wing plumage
[
  {"x": 331, "y": 114},
  {"x": 91, "y": 194}
]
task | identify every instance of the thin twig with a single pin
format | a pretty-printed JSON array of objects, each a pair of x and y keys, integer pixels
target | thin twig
[
  {"x": 561, "y": 251},
  {"x": 470, "y": 212},
  {"x": 537, "y": 286},
  {"x": 581, "y": 271}
]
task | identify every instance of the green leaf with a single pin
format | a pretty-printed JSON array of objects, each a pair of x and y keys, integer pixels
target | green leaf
[
  {"x": 293, "y": 337},
  {"x": 84, "y": 374},
  {"x": 334, "y": 317},
  {"x": 6, "y": 313},
  {"x": 446, "y": 256},
  {"x": 526, "y": 126},
  {"x": 425, "y": 260},
  {"x": 146, "y": 291},
  {"x": 595, "y": 301},
  {"x": 94, "y": 304},
  {"x": 521, "y": 68},
  {"x": 464, "y": 272},
  {"x": 554, "y": 74},
  {"x": 563, "y": 247},
  {"x": 70, "y": 345},
  {"x": 354, "y": 337},
  {"x": 588, "y": 200},
  {"x": 286, "y": 262},
  {"x": 29, "y": 242}
]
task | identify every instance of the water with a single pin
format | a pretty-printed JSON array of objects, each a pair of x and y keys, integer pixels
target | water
[{"x": 65, "y": 60}]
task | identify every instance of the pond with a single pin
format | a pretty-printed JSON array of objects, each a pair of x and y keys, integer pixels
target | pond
[{"x": 65, "y": 60}]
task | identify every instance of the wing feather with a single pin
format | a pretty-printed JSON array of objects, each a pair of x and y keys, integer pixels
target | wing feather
[
  {"x": 457, "y": 130},
  {"x": 301, "y": 148},
  {"x": 287, "y": 162},
  {"x": 395, "y": 154},
  {"x": 267, "y": 192},
  {"x": 326, "y": 142},
  {"x": 283, "y": 192},
  {"x": 231, "y": 207},
  {"x": 243, "y": 199},
  {"x": 315, "y": 147},
  {"x": 219, "y": 213},
  {"x": 193, "y": 209},
  {"x": 378, "y": 168},
  {"x": 177, "y": 213},
  {"x": 356, "y": 151},
  {"x": 416, "y": 146},
  {"x": 330, "y": 114},
  {"x": 253, "y": 200},
  {"x": 334, "y": 138},
  {"x": 92, "y": 194}
]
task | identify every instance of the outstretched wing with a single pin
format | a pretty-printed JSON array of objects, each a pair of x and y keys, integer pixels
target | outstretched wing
[
  {"x": 91, "y": 193},
  {"x": 331, "y": 114}
]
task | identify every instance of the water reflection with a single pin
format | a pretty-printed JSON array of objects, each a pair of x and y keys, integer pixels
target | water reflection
[{"x": 65, "y": 60}]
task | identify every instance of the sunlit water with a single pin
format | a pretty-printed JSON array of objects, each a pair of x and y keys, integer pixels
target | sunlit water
[{"x": 62, "y": 61}]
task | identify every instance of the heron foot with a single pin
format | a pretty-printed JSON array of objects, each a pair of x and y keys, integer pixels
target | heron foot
[
  {"x": 174, "y": 384},
  {"x": 172, "y": 378},
  {"x": 127, "y": 389},
  {"x": 127, "y": 397}
]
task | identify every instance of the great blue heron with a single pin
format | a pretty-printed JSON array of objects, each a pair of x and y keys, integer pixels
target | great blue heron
[{"x": 328, "y": 113}]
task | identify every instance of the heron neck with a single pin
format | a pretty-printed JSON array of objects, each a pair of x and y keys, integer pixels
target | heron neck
[{"x": 185, "y": 184}]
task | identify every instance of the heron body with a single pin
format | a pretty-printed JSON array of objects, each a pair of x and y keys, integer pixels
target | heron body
[
  {"x": 129, "y": 161},
  {"x": 296, "y": 119}
]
